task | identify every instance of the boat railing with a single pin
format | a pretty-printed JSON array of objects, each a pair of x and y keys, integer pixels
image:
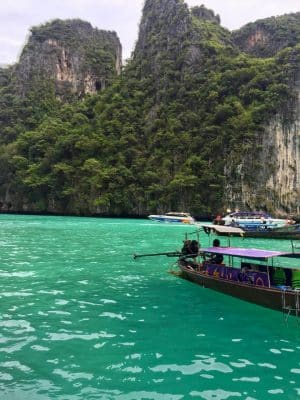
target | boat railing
[
  {"x": 287, "y": 307},
  {"x": 294, "y": 247}
]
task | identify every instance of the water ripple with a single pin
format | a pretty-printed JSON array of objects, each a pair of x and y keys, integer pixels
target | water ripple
[
  {"x": 80, "y": 322},
  {"x": 195, "y": 367},
  {"x": 19, "y": 345},
  {"x": 71, "y": 336},
  {"x": 218, "y": 394},
  {"x": 73, "y": 376},
  {"x": 16, "y": 274},
  {"x": 112, "y": 315},
  {"x": 17, "y": 326}
]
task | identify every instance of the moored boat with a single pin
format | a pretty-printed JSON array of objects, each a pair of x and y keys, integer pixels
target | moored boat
[
  {"x": 177, "y": 217},
  {"x": 253, "y": 220}
]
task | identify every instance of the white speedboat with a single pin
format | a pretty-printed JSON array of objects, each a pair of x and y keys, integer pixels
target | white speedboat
[
  {"x": 178, "y": 217},
  {"x": 254, "y": 219}
]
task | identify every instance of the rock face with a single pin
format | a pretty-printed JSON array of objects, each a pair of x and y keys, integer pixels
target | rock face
[
  {"x": 264, "y": 38},
  {"x": 281, "y": 144},
  {"x": 205, "y": 14},
  {"x": 73, "y": 55},
  {"x": 274, "y": 163},
  {"x": 163, "y": 30},
  {"x": 284, "y": 184},
  {"x": 170, "y": 43}
]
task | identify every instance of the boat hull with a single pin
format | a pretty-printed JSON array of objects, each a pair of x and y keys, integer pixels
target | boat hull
[
  {"x": 276, "y": 299},
  {"x": 272, "y": 234},
  {"x": 291, "y": 232}
]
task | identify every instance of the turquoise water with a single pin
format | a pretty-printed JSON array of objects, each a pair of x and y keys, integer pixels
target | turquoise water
[{"x": 80, "y": 319}]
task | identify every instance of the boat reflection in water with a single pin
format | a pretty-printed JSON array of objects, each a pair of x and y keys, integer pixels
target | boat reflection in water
[{"x": 177, "y": 217}]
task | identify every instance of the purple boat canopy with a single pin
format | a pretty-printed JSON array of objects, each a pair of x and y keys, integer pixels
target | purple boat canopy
[{"x": 248, "y": 253}]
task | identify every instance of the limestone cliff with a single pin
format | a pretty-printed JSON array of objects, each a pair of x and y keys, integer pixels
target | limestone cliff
[
  {"x": 163, "y": 32},
  {"x": 73, "y": 55},
  {"x": 265, "y": 37},
  {"x": 268, "y": 176},
  {"x": 173, "y": 36},
  {"x": 283, "y": 185},
  {"x": 205, "y": 14}
]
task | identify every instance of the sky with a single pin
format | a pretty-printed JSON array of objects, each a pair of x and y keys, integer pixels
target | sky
[{"x": 121, "y": 16}]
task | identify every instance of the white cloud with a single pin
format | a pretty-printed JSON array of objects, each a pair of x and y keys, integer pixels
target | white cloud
[
  {"x": 236, "y": 13},
  {"x": 5, "y": 41}
]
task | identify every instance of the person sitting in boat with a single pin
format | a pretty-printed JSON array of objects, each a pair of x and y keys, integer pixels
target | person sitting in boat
[
  {"x": 218, "y": 220},
  {"x": 186, "y": 249},
  {"x": 215, "y": 258},
  {"x": 190, "y": 248},
  {"x": 194, "y": 247}
]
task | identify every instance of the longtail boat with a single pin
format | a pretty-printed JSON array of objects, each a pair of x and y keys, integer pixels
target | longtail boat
[
  {"x": 264, "y": 277},
  {"x": 253, "y": 275}
]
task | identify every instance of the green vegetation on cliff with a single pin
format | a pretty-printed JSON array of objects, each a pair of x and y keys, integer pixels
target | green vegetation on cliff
[
  {"x": 265, "y": 37},
  {"x": 71, "y": 56},
  {"x": 159, "y": 137}
]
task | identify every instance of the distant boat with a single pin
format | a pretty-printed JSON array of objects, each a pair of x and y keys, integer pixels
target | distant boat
[
  {"x": 177, "y": 217},
  {"x": 253, "y": 219},
  {"x": 291, "y": 232}
]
